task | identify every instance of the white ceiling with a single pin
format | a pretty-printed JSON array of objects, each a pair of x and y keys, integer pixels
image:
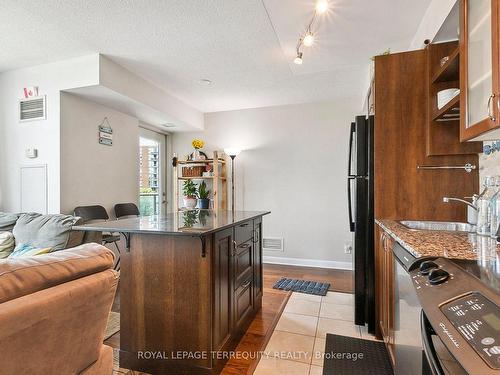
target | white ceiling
[{"x": 244, "y": 46}]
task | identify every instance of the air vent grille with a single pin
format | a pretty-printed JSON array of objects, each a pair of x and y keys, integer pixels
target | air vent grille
[
  {"x": 272, "y": 244},
  {"x": 32, "y": 109}
]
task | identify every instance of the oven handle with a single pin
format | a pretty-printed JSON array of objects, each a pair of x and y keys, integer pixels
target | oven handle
[{"x": 429, "y": 350}]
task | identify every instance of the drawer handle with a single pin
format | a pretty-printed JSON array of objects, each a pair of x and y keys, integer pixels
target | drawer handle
[
  {"x": 246, "y": 284},
  {"x": 244, "y": 246},
  {"x": 233, "y": 252},
  {"x": 244, "y": 225}
]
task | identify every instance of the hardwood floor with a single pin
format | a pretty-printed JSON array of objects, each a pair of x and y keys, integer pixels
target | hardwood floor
[{"x": 273, "y": 303}]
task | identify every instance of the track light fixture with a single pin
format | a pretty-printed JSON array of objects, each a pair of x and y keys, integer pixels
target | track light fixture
[
  {"x": 298, "y": 58},
  {"x": 308, "y": 38}
]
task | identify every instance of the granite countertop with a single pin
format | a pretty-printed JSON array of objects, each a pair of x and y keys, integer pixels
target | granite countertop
[
  {"x": 190, "y": 223},
  {"x": 456, "y": 245}
]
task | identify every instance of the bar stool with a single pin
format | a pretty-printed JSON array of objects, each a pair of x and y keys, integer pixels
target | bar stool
[
  {"x": 98, "y": 213},
  {"x": 123, "y": 210}
]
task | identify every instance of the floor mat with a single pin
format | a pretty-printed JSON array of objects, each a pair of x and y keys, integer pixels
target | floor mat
[
  {"x": 353, "y": 356},
  {"x": 302, "y": 286}
]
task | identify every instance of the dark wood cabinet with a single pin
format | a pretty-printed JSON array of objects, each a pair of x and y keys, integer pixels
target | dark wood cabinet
[
  {"x": 243, "y": 262},
  {"x": 223, "y": 296},
  {"x": 194, "y": 303},
  {"x": 385, "y": 290},
  {"x": 402, "y": 190},
  {"x": 257, "y": 269}
]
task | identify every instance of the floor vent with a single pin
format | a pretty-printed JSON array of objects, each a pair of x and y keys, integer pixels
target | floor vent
[
  {"x": 272, "y": 244},
  {"x": 32, "y": 109}
]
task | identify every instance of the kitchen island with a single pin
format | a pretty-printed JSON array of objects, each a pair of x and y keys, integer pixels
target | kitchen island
[{"x": 190, "y": 284}]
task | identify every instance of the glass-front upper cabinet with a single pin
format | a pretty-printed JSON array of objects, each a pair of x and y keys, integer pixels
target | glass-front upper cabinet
[{"x": 479, "y": 66}]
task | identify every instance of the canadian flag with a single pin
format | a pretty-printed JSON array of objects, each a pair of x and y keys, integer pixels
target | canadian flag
[{"x": 30, "y": 92}]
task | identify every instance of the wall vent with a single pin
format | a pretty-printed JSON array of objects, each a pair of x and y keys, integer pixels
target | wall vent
[
  {"x": 272, "y": 244},
  {"x": 32, "y": 109}
]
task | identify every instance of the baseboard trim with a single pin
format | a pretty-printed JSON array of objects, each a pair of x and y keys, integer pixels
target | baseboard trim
[{"x": 300, "y": 262}]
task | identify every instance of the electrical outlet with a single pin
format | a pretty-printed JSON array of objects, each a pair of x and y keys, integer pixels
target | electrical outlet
[{"x": 348, "y": 248}]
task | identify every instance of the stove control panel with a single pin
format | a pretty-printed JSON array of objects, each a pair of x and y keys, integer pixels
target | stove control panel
[{"x": 478, "y": 321}]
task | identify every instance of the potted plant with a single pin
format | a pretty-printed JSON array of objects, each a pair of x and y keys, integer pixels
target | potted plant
[
  {"x": 203, "y": 193},
  {"x": 190, "y": 192}
]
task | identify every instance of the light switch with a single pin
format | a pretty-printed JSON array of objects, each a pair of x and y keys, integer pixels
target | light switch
[{"x": 31, "y": 153}]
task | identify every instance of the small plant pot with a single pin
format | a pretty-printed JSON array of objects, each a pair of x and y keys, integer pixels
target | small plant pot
[
  {"x": 203, "y": 204},
  {"x": 189, "y": 202}
]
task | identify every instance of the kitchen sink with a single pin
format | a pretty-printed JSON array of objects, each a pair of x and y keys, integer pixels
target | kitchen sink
[{"x": 439, "y": 225}]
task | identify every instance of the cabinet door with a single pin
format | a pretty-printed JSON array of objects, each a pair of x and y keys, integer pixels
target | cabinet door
[
  {"x": 479, "y": 66},
  {"x": 223, "y": 287},
  {"x": 243, "y": 263},
  {"x": 257, "y": 263},
  {"x": 390, "y": 270},
  {"x": 384, "y": 295},
  {"x": 243, "y": 306}
]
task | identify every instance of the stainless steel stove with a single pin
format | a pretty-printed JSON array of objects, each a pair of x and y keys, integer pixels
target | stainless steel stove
[{"x": 460, "y": 320}]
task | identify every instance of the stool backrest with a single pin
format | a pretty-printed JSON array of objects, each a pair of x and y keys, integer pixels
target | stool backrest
[
  {"x": 126, "y": 209},
  {"x": 91, "y": 213}
]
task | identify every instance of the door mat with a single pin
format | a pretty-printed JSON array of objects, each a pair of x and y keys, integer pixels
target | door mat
[
  {"x": 353, "y": 356},
  {"x": 302, "y": 286}
]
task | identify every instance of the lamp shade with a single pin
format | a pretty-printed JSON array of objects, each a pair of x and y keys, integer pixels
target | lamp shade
[{"x": 231, "y": 151}]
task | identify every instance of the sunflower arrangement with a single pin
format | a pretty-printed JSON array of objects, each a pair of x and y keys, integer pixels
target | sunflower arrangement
[{"x": 198, "y": 144}]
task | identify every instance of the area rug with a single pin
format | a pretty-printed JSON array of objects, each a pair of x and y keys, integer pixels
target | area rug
[
  {"x": 352, "y": 356},
  {"x": 113, "y": 325},
  {"x": 302, "y": 286}
]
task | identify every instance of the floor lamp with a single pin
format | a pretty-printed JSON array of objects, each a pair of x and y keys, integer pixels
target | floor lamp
[{"x": 232, "y": 152}]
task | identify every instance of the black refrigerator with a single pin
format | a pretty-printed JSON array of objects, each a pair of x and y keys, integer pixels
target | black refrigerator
[{"x": 361, "y": 218}]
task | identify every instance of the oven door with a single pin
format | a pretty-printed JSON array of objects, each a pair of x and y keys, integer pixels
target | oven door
[{"x": 439, "y": 359}]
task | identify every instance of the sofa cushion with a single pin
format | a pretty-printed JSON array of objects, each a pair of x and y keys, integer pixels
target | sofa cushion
[
  {"x": 7, "y": 221},
  {"x": 22, "y": 276},
  {"x": 6, "y": 244},
  {"x": 43, "y": 231}
]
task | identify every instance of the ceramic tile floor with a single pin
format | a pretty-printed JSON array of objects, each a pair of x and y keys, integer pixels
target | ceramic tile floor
[{"x": 297, "y": 344}]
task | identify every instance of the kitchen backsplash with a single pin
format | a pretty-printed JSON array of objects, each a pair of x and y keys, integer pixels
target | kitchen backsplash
[{"x": 489, "y": 165}]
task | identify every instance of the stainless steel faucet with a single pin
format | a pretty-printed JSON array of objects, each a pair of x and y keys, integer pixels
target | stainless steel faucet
[{"x": 471, "y": 207}]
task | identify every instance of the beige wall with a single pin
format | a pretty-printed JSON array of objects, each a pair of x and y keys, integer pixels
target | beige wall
[
  {"x": 92, "y": 173},
  {"x": 295, "y": 165}
]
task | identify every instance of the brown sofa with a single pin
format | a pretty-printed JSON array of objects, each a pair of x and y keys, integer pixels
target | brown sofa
[{"x": 54, "y": 310}]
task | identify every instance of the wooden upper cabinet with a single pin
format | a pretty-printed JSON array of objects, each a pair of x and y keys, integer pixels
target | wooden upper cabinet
[{"x": 479, "y": 69}]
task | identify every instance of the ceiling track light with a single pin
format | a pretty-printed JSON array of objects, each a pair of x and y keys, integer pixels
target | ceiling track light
[
  {"x": 308, "y": 38},
  {"x": 298, "y": 58}
]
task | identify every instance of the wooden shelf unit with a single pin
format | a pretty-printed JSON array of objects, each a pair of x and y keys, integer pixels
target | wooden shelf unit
[
  {"x": 450, "y": 71},
  {"x": 450, "y": 112},
  {"x": 443, "y": 125},
  {"x": 217, "y": 184}
]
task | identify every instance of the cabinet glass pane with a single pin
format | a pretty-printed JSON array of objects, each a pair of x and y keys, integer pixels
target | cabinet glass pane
[{"x": 479, "y": 83}]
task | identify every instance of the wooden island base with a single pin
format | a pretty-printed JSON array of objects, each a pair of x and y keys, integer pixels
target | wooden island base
[{"x": 186, "y": 301}]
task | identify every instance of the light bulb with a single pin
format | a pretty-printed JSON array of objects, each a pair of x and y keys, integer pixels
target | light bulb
[
  {"x": 232, "y": 151},
  {"x": 308, "y": 39},
  {"x": 298, "y": 59},
  {"x": 321, "y": 6}
]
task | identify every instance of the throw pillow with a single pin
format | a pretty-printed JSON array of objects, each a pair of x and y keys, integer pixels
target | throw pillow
[
  {"x": 7, "y": 244},
  {"x": 7, "y": 221},
  {"x": 43, "y": 231}
]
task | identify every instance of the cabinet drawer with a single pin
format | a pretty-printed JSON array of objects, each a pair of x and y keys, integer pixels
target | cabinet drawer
[
  {"x": 243, "y": 263},
  {"x": 243, "y": 232},
  {"x": 243, "y": 302}
]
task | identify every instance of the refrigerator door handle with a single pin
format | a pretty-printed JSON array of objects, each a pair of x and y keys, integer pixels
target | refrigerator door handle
[
  {"x": 351, "y": 138},
  {"x": 352, "y": 224}
]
